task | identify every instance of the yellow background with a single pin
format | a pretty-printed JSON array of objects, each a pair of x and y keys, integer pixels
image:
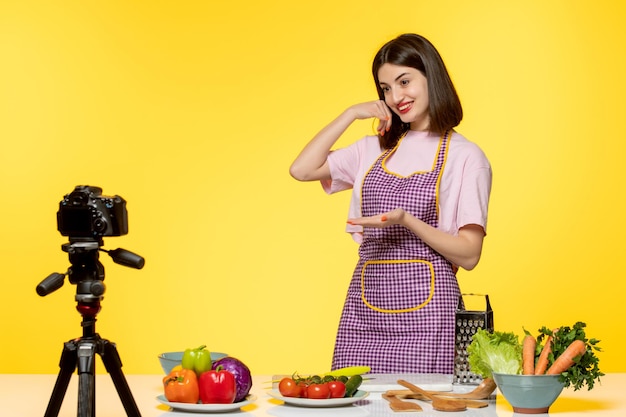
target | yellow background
[{"x": 193, "y": 110}]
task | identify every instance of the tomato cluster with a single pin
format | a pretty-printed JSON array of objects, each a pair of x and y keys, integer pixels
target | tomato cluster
[{"x": 313, "y": 387}]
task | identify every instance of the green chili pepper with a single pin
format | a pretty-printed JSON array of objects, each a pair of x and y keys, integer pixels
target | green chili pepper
[{"x": 198, "y": 359}]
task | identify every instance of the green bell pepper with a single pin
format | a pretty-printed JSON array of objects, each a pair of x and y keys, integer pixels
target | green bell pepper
[{"x": 198, "y": 359}]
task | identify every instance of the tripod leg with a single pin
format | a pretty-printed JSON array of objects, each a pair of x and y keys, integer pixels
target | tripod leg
[
  {"x": 67, "y": 365},
  {"x": 113, "y": 365},
  {"x": 86, "y": 363}
]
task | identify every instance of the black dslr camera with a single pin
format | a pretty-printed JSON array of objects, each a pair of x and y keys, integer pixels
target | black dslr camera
[{"x": 86, "y": 213}]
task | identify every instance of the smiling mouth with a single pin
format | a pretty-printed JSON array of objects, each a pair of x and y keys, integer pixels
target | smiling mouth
[{"x": 405, "y": 107}]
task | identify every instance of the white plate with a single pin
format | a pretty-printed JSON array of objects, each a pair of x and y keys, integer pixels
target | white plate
[
  {"x": 331, "y": 402},
  {"x": 206, "y": 408}
]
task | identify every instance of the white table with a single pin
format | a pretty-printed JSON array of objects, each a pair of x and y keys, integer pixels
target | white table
[{"x": 23, "y": 395}]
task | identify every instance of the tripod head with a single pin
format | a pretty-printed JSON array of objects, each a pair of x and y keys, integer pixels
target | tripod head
[{"x": 86, "y": 270}]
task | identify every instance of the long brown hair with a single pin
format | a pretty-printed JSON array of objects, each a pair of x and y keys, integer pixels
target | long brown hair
[{"x": 444, "y": 110}]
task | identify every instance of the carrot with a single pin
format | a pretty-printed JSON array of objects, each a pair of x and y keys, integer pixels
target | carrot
[
  {"x": 528, "y": 355},
  {"x": 566, "y": 359},
  {"x": 542, "y": 362}
]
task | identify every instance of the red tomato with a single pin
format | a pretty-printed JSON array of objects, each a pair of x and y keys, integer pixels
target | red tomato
[
  {"x": 337, "y": 389},
  {"x": 289, "y": 388},
  {"x": 318, "y": 391},
  {"x": 303, "y": 389}
]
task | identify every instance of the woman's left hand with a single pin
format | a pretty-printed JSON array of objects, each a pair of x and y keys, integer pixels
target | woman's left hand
[
  {"x": 461, "y": 250},
  {"x": 381, "y": 220}
]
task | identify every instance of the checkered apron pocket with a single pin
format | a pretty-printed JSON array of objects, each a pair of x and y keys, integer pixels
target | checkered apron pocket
[{"x": 397, "y": 286}]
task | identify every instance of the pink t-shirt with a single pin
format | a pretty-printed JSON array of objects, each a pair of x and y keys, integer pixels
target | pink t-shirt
[{"x": 465, "y": 184}]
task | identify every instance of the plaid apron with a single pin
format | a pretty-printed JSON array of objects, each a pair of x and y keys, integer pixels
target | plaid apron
[{"x": 398, "y": 315}]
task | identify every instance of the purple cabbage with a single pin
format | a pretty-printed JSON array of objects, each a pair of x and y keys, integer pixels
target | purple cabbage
[{"x": 243, "y": 377}]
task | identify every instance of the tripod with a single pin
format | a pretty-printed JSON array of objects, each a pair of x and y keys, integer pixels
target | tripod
[{"x": 80, "y": 354}]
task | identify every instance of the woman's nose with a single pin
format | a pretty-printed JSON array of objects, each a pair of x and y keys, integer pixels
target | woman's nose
[{"x": 396, "y": 95}]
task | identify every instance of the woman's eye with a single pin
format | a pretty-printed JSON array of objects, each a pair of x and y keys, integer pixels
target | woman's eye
[
  {"x": 385, "y": 89},
  {"x": 404, "y": 82}
]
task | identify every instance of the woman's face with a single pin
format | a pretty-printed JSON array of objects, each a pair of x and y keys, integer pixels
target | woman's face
[{"x": 406, "y": 93}]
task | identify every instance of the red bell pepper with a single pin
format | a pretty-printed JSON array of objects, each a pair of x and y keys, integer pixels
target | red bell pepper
[
  {"x": 217, "y": 387},
  {"x": 181, "y": 386}
]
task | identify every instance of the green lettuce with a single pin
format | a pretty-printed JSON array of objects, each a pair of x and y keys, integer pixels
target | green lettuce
[{"x": 499, "y": 352}]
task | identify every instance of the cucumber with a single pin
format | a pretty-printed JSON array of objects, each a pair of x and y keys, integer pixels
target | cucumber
[{"x": 353, "y": 384}]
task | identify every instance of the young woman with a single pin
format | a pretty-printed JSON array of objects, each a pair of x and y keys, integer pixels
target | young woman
[{"x": 420, "y": 194}]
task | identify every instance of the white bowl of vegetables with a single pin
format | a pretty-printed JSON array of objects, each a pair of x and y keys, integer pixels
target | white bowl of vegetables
[{"x": 531, "y": 374}]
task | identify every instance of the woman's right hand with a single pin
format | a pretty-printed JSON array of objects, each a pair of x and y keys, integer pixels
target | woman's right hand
[
  {"x": 311, "y": 164},
  {"x": 377, "y": 109}
]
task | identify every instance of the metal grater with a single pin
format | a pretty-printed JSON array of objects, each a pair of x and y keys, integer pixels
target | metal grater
[{"x": 467, "y": 323}]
